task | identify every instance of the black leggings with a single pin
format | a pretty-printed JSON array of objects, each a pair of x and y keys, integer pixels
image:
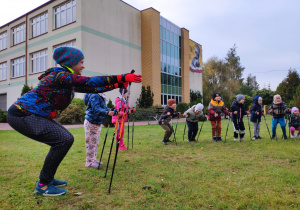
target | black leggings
[
  {"x": 48, "y": 132},
  {"x": 193, "y": 130}
]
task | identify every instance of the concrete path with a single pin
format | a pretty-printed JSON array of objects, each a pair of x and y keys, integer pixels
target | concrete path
[{"x": 6, "y": 126}]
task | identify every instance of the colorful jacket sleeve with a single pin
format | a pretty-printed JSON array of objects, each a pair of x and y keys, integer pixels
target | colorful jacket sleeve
[
  {"x": 68, "y": 79},
  {"x": 88, "y": 89},
  {"x": 98, "y": 107},
  {"x": 210, "y": 109},
  {"x": 224, "y": 110}
]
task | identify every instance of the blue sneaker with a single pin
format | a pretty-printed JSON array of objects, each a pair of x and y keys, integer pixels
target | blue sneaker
[
  {"x": 49, "y": 190},
  {"x": 59, "y": 183}
]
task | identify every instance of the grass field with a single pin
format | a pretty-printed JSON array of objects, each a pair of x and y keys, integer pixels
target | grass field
[{"x": 260, "y": 174}]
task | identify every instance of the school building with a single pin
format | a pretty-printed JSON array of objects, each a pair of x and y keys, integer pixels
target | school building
[{"x": 115, "y": 38}]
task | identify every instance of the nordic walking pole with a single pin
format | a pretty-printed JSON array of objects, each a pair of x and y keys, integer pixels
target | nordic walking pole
[
  {"x": 120, "y": 135},
  {"x": 267, "y": 127},
  {"x": 128, "y": 132},
  {"x": 227, "y": 128},
  {"x": 184, "y": 130},
  {"x": 174, "y": 135},
  {"x": 249, "y": 126},
  {"x": 132, "y": 130},
  {"x": 201, "y": 128},
  {"x": 112, "y": 143},
  {"x": 176, "y": 128},
  {"x": 103, "y": 145}
]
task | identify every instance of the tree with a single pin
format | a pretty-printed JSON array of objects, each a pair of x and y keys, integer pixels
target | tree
[
  {"x": 25, "y": 89},
  {"x": 267, "y": 96},
  {"x": 286, "y": 89},
  {"x": 146, "y": 98},
  {"x": 233, "y": 64},
  {"x": 296, "y": 98},
  {"x": 249, "y": 86}
]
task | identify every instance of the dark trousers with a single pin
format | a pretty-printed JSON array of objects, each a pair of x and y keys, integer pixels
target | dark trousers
[
  {"x": 168, "y": 130},
  {"x": 239, "y": 127},
  {"x": 193, "y": 130},
  {"x": 48, "y": 132}
]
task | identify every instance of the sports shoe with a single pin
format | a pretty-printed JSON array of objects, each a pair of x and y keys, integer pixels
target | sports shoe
[
  {"x": 168, "y": 140},
  {"x": 254, "y": 138},
  {"x": 292, "y": 136},
  {"x": 191, "y": 140},
  {"x": 259, "y": 137},
  {"x": 242, "y": 139},
  {"x": 164, "y": 141},
  {"x": 94, "y": 164},
  {"x": 48, "y": 190},
  {"x": 236, "y": 139},
  {"x": 59, "y": 183},
  {"x": 273, "y": 137},
  {"x": 298, "y": 136},
  {"x": 219, "y": 138},
  {"x": 214, "y": 139},
  {"x": 122, "y": 147},
  {"x": 285, "y": 137}
]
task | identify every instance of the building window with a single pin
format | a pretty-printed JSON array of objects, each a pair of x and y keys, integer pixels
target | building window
[
  {"x": 65, "y": 14},
  {"x": 18, "y": 67},
  {"x": 3, "y": 70},
  {"x": 171, "y": 78},
  {"x": 39, "y": 25},
  {"x": 39, "y": 61},
  {"x": 3, "y": 41},
  {"x": 18, "y": 34}
]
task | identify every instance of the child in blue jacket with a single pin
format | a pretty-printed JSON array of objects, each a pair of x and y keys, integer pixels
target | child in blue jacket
[
  {"x": 95, "y": 114},
  {"x": 256, "y": 113}
]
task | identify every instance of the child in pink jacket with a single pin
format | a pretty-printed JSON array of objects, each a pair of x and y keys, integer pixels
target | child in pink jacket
[{"x": 121, "y": 113}]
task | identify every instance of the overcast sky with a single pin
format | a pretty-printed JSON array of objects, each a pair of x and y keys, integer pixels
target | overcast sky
[{"x": 266, "y": 32}]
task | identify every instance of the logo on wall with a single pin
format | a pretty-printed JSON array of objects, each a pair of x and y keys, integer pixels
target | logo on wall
[{"x": 195, "y": 65}]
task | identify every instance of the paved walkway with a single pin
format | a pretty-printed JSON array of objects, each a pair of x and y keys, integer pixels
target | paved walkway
[{"x": 6, "y": 126}]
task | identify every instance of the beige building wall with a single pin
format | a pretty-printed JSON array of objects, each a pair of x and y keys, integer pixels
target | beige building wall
[
  {"x": 185, "y": 65},
  {"x": 111, "y": 41},
  {"x": 107, "y": 31},
  {"x": 150, "y": 19}
]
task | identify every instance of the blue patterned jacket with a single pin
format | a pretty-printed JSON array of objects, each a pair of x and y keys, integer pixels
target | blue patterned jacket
[
  {"x": 55, "y": 91},
  {"x": 96, "y": 109}
]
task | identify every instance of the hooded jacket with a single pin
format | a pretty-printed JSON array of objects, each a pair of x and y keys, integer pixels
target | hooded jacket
[
  {"x": 55, "y": 91},
  {"x": 118, "y": 103},
  {"x": 165, "y": 118},
  {"x": 241, "y": 111},
  {"x": 216, "y": 107},
  {"x": 254, "y": 109},
  {"x": 96, "y": 110},
  {"x": 193, "y": 117},
  {"x": 279, "y": 110}
]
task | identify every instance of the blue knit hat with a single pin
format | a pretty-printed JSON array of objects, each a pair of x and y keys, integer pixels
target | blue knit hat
[
  {"x": 68, "y": 56},
  {"x": 239, "y": 97}
]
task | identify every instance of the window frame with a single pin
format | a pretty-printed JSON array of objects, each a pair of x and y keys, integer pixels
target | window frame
[
  {"x": 3, "y": 40},
  {"x": 38, "y": 21},
  {"x": 16, "y": 35},
  {"x": 13, "y": 67},
  {"x": 62, "y": 10},
  {"x": 3, "y": 71},
  {"x": 37, "y": 60}
]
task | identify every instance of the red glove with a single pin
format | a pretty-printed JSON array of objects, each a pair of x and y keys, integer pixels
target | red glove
[
  {"x": 129, "y": 78},
  {"x": 121, "y": 85}
]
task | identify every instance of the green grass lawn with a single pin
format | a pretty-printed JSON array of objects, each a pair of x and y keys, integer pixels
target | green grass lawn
[{"x": 261, "y": 174}]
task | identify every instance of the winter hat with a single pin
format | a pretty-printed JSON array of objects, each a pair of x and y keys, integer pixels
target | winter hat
[
  {"x": 199, "y": 107},
  {"x": 239, "y": 97},
  {"x": 216, "y": 94},
  {"x": 171, "y": 102},
  {"x": 68, "y": 56},
  {"x": 259, "y": 98},
  {"x": 294, "y": 109},
  {"x": 123, "y": 91}
]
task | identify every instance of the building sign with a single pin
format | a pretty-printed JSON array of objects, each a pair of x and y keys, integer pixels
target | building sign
[{"x": 195, "y": 57}]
